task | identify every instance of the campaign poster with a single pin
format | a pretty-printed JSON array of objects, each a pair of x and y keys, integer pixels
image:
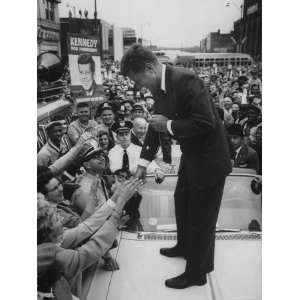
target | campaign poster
[{"x": 85, "y": 69}]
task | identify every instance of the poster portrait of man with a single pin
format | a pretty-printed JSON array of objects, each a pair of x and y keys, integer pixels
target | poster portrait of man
[{"x": 86, "y": 69}]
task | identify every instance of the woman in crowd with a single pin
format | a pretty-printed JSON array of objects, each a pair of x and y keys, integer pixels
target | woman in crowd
[{"x": 59, "y": 269}]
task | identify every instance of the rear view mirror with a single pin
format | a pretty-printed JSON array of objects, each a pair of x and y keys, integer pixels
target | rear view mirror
[{"x": 49, "y": 67}]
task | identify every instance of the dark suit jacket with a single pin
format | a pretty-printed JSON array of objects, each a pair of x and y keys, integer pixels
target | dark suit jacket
[
  {"x": 247, "y": 158},
  {"x": 135, "y": 140},
  {"x": 165, "y": 142},
  {"x": 195, "y": 124}
]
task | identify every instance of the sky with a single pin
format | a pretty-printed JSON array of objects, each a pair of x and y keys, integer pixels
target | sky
[{"x": 170, "y": 23}]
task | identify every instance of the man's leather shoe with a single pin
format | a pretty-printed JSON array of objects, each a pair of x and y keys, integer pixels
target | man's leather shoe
[
  {"x": 183, "y": 281},
  {"x": 172, "y": 252}
]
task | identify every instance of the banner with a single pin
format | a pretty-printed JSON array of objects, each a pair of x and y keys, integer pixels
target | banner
[{"x": 85, "y": 69}]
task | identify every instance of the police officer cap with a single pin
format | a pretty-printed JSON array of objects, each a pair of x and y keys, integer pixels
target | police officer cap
[
  {"x": 235, "y": 129},
  {"x": 92, "y": 153},
  {"x": 121, "y": 125},
  {"x": 103, "y": 107},
  {"x": 148, "y": 95},
  {"x": 137, "y": 107}
]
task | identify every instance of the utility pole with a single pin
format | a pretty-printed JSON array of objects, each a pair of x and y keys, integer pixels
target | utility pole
[{"x": 95, "y": 12}]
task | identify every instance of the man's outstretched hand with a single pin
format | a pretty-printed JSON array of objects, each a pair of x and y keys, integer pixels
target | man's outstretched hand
[{"x": 159, "y": 123}]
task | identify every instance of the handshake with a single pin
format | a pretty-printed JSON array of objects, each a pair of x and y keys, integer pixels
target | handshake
[{"x": 142, "y": 171}]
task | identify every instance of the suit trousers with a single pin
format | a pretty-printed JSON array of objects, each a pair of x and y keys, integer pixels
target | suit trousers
[{"x": 196, "y": 211}]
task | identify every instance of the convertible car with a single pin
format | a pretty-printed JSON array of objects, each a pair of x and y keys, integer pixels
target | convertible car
[{"x": 143, "y": 270}]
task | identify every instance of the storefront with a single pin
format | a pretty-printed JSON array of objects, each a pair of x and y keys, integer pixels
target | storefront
[{"x": 48, "y": 37}]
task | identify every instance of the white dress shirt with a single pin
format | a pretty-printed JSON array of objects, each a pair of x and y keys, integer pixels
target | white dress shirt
[{"x": 133, "y": 151}]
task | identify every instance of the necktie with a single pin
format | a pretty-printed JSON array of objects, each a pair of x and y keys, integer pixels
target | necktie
[
  {"x": 104, "y": 189},
  {"x": 125, "y": 164}
]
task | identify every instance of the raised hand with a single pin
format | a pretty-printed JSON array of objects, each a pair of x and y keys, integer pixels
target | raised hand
[
  {"x": 126, "y": 191},
  {"x": 84, "y": 138}
]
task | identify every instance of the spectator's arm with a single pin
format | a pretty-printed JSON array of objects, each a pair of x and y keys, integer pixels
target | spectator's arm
[
  {"x": 75, "y": 236},
  {"x": 75, "y": 261},
  {"x": 60, "y": 165},
  {"x": 73, "y": 134},
  {"x": 43, "y": 159}
]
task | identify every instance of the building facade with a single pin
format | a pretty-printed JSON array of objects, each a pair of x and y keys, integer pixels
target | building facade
[
  {"x": 48, "y": 26},
  {"x": 217, "y": 42},
  {"x": 106, "y": 27},
  {"x": 248, "y": 29},
  {"x": 129, "y": 38}
]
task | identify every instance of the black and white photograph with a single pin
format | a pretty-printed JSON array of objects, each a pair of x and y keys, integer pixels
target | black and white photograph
[
  {"x": 139, "y": 159},
  {"x": 149, "y": 162}
]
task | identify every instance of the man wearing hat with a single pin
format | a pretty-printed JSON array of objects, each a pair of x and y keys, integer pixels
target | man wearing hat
[
  {"x": 149, "y": 103},
  {"x": 51, "y": 151},
  {"x": 252, "y": 118},
  {"x": 128, "y": 104},
  {"x": 245, "y": 156},
  {"x": 125, "y": 155},
  {"x": 107, "y": 115},
  {"x": 137, "y": 111},
  {"x": 93, "y": 191}
]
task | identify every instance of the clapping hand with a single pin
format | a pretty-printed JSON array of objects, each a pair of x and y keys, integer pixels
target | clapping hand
[{"x": 124, "y": 192}]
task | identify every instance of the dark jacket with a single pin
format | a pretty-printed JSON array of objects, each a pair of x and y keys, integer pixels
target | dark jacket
[
  {"x": 247, "y": 158},
  {"x": 165, "y": 143},
  {"x": 196, "y": 125},
  {"x": 135, "y": 140}
]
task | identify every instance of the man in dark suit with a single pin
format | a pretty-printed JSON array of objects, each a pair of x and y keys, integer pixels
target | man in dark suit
[
  {"x": 183, "y": 108},
  {"x": 244, "y": 155}
]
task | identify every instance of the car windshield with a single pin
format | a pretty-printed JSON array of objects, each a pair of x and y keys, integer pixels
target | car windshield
[{"x": 240, "y": 207}]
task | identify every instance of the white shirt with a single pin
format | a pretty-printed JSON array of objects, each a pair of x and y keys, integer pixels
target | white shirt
[
  {"x": 133, "y": 151},
  {"x": 237, "y": 151}
]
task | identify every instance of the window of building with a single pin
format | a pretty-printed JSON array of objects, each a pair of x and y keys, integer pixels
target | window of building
[{"x": 50, "y": 10}]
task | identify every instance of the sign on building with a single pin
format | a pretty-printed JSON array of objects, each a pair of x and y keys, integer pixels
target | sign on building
[{"x": 85, "y": 69}]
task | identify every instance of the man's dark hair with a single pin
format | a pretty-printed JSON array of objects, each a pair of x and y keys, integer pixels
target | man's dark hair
[
  {"x": 86, "y": 58},
  {"x": 121, "y": 171},
  {"x": 83, "y": 104},
  {"x": 136, "y": 58},
  {"x": 44, "y": 175}
]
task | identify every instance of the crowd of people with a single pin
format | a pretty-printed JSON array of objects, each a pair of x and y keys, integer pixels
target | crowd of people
[{"x": 86, "y": 191}]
